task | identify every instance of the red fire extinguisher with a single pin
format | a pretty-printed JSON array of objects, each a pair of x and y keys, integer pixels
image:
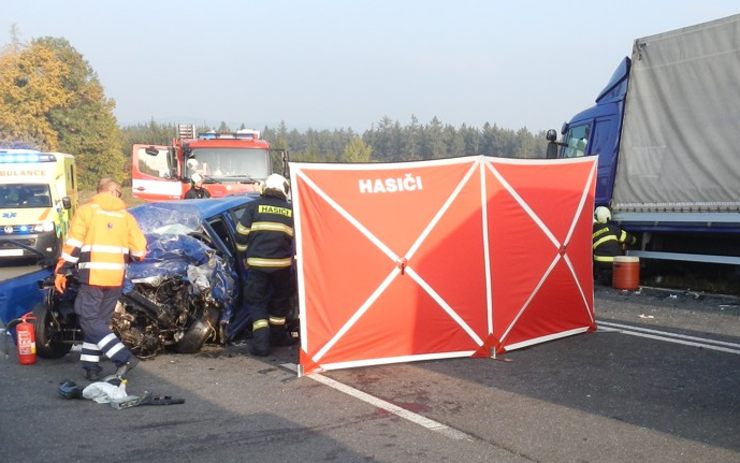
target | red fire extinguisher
[{"x": 26, "y": 337}]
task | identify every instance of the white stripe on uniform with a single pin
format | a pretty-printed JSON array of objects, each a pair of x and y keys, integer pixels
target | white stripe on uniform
[
  {"x": 68, "y": 258},
  {"x": 114, "y": 350},
  {"x": 106, "y": 340},
  {"x": 109, "y": 213},
  {"x": 104, "y": 248},
  {"x": 101, "y": 266}
]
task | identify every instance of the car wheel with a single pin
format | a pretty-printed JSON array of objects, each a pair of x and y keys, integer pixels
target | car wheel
[
  {"x": 194, "y": 338},
  {"x": 49, "y": 333}
]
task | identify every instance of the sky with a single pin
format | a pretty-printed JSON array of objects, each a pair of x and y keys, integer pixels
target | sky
[{"x": 330, "y": 64}]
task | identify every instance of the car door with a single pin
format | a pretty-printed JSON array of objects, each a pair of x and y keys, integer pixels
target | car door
[{"x": 152, "y": 174}]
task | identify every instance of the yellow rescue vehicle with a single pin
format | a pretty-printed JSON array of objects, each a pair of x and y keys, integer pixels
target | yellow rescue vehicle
[{"x": 38, "y": 196}]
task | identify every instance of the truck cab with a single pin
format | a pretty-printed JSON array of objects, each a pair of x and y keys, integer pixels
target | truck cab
[
  {"x": 230, "y": 163},
  {"x": 596, "y": 131},
  {"x": 38, "y": 196},
  {"x": 665, "y": 131}
]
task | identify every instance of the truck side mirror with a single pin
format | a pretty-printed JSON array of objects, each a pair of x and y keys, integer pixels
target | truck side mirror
[
  {"x": 67, "y": 202},
  {"x": 286, "y": 161},
  {"x": 552, "y": 145}
]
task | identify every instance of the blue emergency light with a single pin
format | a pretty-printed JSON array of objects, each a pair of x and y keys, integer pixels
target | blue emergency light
[
  {"x": 23, "y": 156},
  {"x": 239, "y": 135}
]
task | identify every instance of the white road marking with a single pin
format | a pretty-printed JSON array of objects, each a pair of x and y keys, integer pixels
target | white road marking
[
  {"x": 452, "y": 433},
  {"x": 667, "y": 336},
  {"x": 387, "y": 406}
]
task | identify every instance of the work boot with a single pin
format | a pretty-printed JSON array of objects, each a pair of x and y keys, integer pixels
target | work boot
[
  {"x": 260, "y": 342},
  {"x": 93, "y": 373},
  {"x": 281, "y": 338},
  {"x": 123, "y": 370}
]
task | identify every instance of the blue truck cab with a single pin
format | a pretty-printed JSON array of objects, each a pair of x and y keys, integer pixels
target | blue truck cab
[
  {"x": 596, "y": 130},
  {"x": 665, "y": 132}
]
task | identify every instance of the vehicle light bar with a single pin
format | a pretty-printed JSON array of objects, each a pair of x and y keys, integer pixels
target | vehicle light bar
[
  {"x": 244, "y": 134},
  {"x": 23, "y": 156}
]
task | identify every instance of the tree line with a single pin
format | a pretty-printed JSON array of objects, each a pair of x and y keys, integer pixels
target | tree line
[
  {"x": 386, "y": 141},
  {"x": 51, "y": 99}
]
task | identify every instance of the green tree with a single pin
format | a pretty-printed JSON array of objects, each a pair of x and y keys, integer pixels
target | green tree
[
  {"x": 437, "y": 145},
  {"x": 357, "y": 151},
  {"x": 31, "y": 85},
  {"x": 223, "y": 128},
  {"x": 412, "y": 140},
  {"x": 85, "y": 125},
  {"x": 51, "y": 98}
]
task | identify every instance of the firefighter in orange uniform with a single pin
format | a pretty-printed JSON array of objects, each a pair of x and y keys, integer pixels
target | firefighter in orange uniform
[{"x": 103, "y": 237}]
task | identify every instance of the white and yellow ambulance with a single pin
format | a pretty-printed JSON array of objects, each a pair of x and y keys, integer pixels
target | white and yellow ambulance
[{"x": 38, "y": 196}]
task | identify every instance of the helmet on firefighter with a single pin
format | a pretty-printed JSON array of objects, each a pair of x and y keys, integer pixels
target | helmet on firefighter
[
  {"x": 602, "y": 214},
  {"x": 276, "y": 184},
  {"x": 196, "y": 178}
]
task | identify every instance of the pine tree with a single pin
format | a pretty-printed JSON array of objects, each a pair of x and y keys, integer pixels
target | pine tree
[{"x": 357, "y": 151}]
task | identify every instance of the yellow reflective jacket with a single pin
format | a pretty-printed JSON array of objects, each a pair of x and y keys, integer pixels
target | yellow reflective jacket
[{"x": 102, "y": 238}]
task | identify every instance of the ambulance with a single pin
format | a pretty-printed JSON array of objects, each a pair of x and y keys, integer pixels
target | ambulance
[{"x": 38, "y": 197}]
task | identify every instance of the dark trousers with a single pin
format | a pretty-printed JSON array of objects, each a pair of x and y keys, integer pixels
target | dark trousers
[
  {"x": 603, "y": 273},
  {"x": 269, "y": 295},
  {"x": 94, "y": 307}
]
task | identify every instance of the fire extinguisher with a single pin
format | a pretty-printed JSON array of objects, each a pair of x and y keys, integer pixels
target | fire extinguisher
[{"x": 26, "y": 338}]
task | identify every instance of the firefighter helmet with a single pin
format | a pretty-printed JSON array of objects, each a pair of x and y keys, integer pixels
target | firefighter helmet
[
  {"x": 277, "y": 183},
  {"x": 602, "y": 214}
]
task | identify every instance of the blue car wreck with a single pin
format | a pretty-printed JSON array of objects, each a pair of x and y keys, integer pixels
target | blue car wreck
[
  {"x": 182, "y": 295},
  {"x": 186, "y": 290}
]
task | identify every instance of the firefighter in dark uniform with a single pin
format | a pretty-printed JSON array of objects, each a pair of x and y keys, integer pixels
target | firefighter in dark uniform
[
  {"x": 265, "y": 240},
  {"x": 103, "y": 237},
  {"x": 196, "y": 190},
  {"x": 608, "y": 241}
]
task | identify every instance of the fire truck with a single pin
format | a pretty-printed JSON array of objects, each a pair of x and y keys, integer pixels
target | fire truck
[{"x": 230, "y": 164}]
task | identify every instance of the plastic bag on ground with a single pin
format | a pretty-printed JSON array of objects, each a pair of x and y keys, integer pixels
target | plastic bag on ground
[{"x": 103, "y": 393}]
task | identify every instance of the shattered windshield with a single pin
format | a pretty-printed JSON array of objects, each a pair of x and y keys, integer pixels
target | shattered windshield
[
  {"x": 232, "y": 164},
  {"x": 168, "y": 218}
]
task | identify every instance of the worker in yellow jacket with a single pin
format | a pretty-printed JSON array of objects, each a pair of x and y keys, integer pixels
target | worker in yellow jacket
[{"x": 103, "y": 237}]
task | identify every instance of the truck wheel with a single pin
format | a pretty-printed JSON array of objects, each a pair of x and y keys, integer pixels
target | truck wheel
[
  {"x": 194, "y": 338},
  {"x": 49, "y": 341}
]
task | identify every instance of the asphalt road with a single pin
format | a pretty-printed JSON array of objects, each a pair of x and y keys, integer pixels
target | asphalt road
[
  {"x": 600, "y": 397},
  {"x": 12, "y": 271}
]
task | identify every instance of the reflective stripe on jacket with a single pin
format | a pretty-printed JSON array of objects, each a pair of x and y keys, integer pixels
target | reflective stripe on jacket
[
  {"x": 607, "y": 241},
  {"x": 102, "y": 238},
  {"x": 265, "y": 234}
]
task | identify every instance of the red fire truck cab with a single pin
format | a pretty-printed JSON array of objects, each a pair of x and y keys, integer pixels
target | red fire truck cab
[{"x": 230, "y": 163}]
